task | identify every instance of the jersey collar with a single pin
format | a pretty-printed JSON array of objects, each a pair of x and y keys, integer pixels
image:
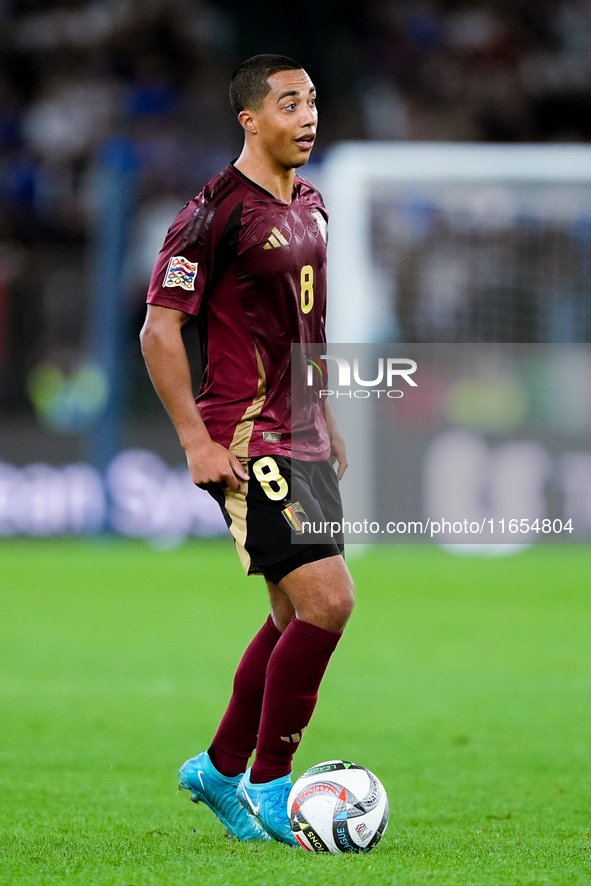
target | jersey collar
[{"x": 249, "y": 181}]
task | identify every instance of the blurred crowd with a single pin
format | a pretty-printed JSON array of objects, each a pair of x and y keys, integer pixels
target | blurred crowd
[
  {"x": 478, "y": 71},
  {"x": 75, "y": 74}
]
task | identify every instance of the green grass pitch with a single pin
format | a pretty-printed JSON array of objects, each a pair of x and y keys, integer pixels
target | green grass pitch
[{"x": 463, "y": 683}]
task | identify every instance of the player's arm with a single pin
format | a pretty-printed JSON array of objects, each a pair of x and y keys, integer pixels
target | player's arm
[
  {"x": 338, "y": 450},
  {"x": 166, "y": 358}
]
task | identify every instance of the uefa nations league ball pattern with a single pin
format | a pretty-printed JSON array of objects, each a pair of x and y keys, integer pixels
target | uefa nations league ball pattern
[{"x": 338, "y": 807}]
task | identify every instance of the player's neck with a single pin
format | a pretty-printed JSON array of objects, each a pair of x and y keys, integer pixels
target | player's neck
[{"x": 261, "y": 171}]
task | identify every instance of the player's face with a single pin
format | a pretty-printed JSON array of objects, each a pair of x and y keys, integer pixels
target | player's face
[{"x": 286, "y": 124}]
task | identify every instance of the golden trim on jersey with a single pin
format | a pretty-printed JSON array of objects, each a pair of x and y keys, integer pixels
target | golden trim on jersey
[
  {"x": 322, "y": 225},
  {"x": 275, "y": 239},
  {"x": 244, "y": 428}
]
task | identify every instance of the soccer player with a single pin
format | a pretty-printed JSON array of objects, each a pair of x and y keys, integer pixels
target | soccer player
[{"x": 247, "y": 258}]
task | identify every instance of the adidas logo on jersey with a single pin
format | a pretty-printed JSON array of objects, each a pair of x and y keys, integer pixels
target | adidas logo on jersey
[{"x": 275, "y": 239}]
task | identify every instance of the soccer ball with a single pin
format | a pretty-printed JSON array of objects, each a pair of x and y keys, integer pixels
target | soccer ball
[{"x": 338, "y": 807}]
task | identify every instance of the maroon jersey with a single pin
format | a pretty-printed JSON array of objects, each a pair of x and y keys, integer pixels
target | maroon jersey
[{"x": 253, "y": 271}]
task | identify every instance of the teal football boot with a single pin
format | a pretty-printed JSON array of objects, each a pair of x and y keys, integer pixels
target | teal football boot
[
  {"x": 268, "y": 803},
  {"x": 199, "y": 776}
]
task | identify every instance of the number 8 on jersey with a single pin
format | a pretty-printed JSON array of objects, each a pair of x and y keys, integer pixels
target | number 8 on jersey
[{"x": 307, "y": 288}]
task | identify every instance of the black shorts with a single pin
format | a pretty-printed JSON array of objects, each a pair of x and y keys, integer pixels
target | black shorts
[{"x": 270, "y": 515}]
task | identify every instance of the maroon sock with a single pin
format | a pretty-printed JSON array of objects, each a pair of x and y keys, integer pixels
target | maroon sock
[
  {"x": 236, "y": 737},
  {"x": 294, "y": 673}
]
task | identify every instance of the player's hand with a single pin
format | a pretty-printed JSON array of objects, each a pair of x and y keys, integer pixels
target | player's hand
[
  {"x": 211, "y": 463},
  {"x": 338, "y": 453}
]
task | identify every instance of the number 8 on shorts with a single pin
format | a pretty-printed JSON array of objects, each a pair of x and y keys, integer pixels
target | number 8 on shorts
[{"x": 274, "y": 485}]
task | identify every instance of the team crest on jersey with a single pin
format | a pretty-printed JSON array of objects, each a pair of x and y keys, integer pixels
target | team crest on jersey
[
  {"x": 180, "y": 272},
  {"x": 322, "y": 226}
]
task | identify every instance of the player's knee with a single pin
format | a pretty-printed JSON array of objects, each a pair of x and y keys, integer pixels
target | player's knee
[
  {"x": 339, "y": 605},
  {"x": 346, "y": 595},
  {"x": 348, "y": 603}
]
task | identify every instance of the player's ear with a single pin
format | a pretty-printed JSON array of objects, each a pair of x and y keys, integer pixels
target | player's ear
[{"x": 247, "y": 122}]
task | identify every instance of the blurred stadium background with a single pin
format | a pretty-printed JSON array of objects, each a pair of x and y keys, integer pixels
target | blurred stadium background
[{"x": 112, "y": 114}]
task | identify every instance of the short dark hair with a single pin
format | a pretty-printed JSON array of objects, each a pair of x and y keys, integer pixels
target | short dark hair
[{"x": 249, "y": 84}]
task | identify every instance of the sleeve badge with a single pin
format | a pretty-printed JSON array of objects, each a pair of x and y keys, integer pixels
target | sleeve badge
[{"x": 180, "y": 272}]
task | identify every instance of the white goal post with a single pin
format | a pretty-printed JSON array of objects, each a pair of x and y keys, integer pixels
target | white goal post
[
  {"x": 487, "y": 181},
  {"x": 353, "y": 171}
]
